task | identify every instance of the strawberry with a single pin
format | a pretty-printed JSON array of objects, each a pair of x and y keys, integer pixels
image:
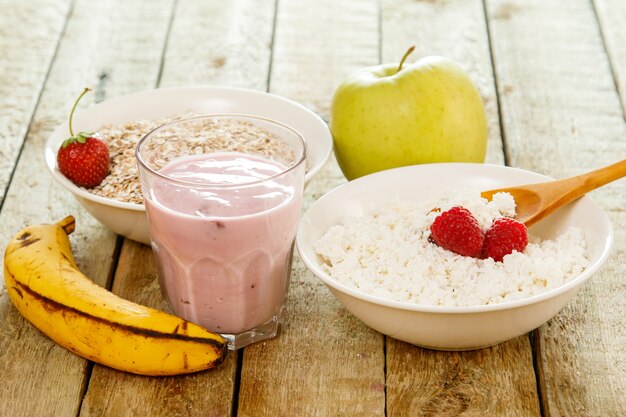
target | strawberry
[
  {"x": 83, "y": 158},
  {"x": 458, "y": 231},
  {"x": 503, "y": 237}
]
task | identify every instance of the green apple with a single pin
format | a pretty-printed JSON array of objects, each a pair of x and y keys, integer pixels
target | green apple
[{"x": 389, "y": 115}]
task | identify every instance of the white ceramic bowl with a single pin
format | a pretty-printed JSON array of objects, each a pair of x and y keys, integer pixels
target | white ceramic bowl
[
  {"x": 449, "y": 328},
  {"x": 130, "y": 220}
]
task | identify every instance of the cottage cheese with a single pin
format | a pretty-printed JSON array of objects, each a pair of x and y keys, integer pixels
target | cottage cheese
[{"x": 387, "y": 253}]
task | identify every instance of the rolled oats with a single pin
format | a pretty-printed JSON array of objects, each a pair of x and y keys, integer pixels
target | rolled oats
[{"x": 210, "y": 135}]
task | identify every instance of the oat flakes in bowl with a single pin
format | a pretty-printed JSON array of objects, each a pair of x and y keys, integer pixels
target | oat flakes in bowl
[{"x": 122, "y": 183}]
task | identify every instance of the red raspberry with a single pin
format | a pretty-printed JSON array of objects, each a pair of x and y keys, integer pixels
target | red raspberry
[
  {"x": 458, "y": 231},
  {"x": 503, "y": 237}
]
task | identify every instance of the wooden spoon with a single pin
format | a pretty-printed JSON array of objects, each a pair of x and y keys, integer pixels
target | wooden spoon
[{"x": 536, "y": 201}]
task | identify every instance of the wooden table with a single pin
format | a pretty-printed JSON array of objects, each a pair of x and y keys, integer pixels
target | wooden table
[{"x": 553, "y": 78}]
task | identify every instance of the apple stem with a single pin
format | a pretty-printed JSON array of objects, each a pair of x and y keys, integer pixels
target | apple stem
[
  {"x": 406, "y": 55},
  {"x": 87, "y": 89}
]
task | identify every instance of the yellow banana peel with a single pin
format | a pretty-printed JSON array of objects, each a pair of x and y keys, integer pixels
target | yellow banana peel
[{"x": 46, "y": 286}]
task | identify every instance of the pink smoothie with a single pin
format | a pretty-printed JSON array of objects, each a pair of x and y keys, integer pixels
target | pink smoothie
[{"x": 224, "y": 253}]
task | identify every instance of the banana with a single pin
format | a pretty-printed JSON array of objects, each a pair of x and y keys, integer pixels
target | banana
[{"x": 46, "y": 286}]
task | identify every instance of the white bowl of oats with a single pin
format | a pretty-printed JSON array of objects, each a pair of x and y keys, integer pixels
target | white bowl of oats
[
  {"x": 122, "y": 121},
  {"x": 369, "y": 242}
]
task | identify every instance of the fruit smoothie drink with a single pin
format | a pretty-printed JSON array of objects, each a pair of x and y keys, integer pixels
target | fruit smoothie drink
[
  {"x": 224, "y": 257},
  {"x": 222, "y": 226}
]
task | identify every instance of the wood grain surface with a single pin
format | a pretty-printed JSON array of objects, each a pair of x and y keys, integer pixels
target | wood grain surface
[
  {"x": 552, "y": 78},
  {"x": 497, "y": 381},
  {"x": 221, "y": 43},
  {"x": 562, "y": 116},
  {"x": 26, "y": 51},
  {"x": 611, "y": 15}
]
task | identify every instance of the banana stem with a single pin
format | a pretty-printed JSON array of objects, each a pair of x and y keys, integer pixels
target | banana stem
[{"x": 68, "y": 224}]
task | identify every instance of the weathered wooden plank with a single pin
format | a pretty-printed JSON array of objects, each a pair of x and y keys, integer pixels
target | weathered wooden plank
[
  {"x": 483, "y": 382},
  {"x": 194, "y": 55},
  {"x": 222, "y": 43},
  {"x": 562, "y": 116},
  {"x": 317, "y": 45},
  {"x": 324, "y": 362},
  {"x": 29, "y": 33},
  {"x": 611, "y": 16},
  {"x": 496, "y": 381},
  {"x": 40, "y": 378}
]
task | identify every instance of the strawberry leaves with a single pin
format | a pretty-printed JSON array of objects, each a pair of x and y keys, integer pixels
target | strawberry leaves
[{"x": 81, "y": 137}]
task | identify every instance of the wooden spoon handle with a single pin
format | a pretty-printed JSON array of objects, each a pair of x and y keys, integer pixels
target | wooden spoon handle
[
  {"x": 582, "y": 184},
  {"x": 560, "y": 192},
  {"x": 602, "y": 176}
]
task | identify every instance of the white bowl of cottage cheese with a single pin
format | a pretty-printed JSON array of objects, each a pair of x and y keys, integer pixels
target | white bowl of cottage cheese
[{"x": 369, "y": 242}]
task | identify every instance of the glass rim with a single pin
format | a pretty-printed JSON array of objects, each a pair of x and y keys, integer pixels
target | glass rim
[{"x": 291, "y": 167}]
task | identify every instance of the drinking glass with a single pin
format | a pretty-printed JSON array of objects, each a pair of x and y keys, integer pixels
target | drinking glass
[{"x": 223, "y": 195}]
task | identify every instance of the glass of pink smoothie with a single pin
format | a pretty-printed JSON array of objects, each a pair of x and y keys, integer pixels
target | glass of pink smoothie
[{"x": 223, "y": 195}]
